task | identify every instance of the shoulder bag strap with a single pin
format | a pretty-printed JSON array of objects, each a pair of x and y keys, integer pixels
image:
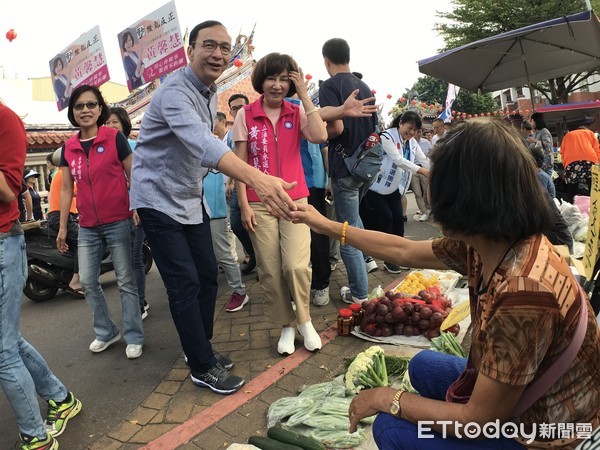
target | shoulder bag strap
[{"x": 558, "y": 368}]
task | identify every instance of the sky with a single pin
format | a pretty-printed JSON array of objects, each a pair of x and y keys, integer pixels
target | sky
[{"x": 386, "y": 37}]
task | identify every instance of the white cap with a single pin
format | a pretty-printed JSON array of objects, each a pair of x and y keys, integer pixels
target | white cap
[{"x": 31, "y": 173}]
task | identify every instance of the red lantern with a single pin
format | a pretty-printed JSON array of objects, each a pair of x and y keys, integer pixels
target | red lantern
[
  {"x": 453, "y": 112},
  {"x": 521, "y": 111},
  {"x": 527, "y": 111},
  {"x": 238, "y": 63},
  {"x": 431, "y": 106},
  {"x": 389, "y": 96},
  {"x": 495, "y": 113},
  {"x": 402, "y": 99},
  {"x": 11, "y": 34},
  {"x": 489, "y": 114},
  {"x": 308, "y": 76},
  {"x": 469, "y": 116},
  {"x": 414, "y": 102},
  {"x": 423, "y": 105},
  {"x": 373, "y": 91}
]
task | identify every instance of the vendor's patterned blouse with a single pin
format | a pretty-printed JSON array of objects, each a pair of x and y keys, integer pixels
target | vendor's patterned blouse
[{"x": 524, "y": 321}]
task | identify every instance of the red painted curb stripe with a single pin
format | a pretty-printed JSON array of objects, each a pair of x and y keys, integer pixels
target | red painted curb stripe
[{"x": 185, "y": 432}]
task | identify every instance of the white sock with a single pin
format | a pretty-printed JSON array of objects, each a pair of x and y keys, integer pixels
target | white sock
[
  {"x": 312, "y": 340},
  {"x": 286, "y": 341}
]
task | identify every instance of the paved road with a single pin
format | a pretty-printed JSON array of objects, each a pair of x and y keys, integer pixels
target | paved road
[{"x": 109, "y": 385}]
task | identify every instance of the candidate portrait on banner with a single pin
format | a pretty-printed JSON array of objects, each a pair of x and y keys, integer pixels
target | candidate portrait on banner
[
  {"x": 132, "y": 59},
  {"x": 60, "y": 81}
]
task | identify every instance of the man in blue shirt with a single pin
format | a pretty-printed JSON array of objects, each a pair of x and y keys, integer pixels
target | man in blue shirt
[{"x": 175, "y": 149}]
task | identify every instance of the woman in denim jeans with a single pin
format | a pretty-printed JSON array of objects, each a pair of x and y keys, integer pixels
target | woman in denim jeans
[
  {"x": 98, "y": 158},
  {"x": 119, "y": 119}
]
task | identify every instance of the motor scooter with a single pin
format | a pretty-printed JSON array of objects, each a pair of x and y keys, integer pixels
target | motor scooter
[{"x": 50, "y": 270}]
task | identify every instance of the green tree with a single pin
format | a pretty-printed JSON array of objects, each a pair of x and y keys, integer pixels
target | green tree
[
  {"x": 471, "y": 20},
  {"x": 433, "y": 91}
]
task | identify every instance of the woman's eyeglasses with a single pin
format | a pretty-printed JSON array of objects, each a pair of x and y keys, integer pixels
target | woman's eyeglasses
[{"x": 88, "y": 105}]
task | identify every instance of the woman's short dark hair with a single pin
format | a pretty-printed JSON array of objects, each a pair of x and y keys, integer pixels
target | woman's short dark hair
[
  {"x": 337, "y": 51},
  {"x": 104, "y": 109},
  {"x": 538, "y": 119},
  {"x": 271, "y": 65},
  {"x": 484, "y": 181},
  {"x": 123, "y": 117},
  {"x": 124, "y": 38},
  {"x": 408, "y": 116}
]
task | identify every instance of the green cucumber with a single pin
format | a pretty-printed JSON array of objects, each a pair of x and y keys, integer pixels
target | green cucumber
[
  {"x": 299, "y": 440},
  {"x": 265, "y": 443}
]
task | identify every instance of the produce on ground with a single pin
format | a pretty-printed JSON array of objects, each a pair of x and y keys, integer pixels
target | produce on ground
[
  {"x": 415, "y": 282},
  {"x": 368, "y": 370},
  {"x": 409, "y": 315},
  {"x": 447, "y": 343},
  {"x": 289, "y": 437},
  {"x": 338, "y": 438}
]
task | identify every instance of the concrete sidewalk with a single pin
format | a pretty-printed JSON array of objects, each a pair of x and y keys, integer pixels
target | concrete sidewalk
[{"x": 180, "y": 415}]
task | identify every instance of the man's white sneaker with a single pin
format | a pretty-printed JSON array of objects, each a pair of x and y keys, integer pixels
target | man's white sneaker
[
  {"x": 371, "y": 266},
  {"x": 347, "y": 297},
  {"x": 423, "y": 217},
  {"x": 320, "y": 297},
  {"x": 133, "y": 351},
  {"x": 99, "y": 346}
]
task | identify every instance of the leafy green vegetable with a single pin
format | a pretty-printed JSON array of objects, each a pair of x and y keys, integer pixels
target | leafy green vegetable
[
  {"x": 338, "y": 438},
  {"x": 447, "y": 343},
  {"x": 368, "y": 370}
]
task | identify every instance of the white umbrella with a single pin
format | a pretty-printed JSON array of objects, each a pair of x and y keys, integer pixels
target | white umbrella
[{"x": 538, "y": 52}]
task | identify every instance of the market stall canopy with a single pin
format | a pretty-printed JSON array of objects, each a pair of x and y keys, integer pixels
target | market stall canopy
[
  {"x": 568, "y": 116},
  {"x": 538, "y": 52}
]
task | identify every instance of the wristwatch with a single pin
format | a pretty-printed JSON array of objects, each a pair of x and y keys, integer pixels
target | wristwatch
[{"x": 395, "y": 406}]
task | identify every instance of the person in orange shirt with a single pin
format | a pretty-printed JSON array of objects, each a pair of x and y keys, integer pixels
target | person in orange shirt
[
  {"x": 579, "y": 151},
  {"x": 72, "y": 225}
]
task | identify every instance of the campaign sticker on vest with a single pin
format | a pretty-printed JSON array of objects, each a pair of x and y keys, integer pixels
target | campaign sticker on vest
[
  {"x": 288, "y": 124},
  {"x": 100, "y": 149}
]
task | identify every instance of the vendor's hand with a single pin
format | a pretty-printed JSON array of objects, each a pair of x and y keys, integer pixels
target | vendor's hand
[
  {"x": 271, "y": 191},
  {"x": 248, "y": 218},
  {"x": 61, "y": 241},
  {"x": 359, "y": 108},
  {"x": 368, "y": 403},
  {"x": 310, "y": 216}
]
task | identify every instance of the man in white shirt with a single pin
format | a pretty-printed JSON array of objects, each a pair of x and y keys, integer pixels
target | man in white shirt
[{"x": 439, "y": 129}]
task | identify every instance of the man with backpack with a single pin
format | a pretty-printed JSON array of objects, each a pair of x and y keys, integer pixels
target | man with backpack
[{"x": 345, "y": 136}]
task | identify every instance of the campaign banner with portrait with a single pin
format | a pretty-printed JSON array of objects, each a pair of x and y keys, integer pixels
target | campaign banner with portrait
[
  {"x": 82, "y": 62},
  {"x": 152, "y": 47}
]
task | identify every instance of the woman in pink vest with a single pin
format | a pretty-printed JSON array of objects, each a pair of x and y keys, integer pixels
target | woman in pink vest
[
  {"x": 99, "y": 159},
  {"x": 267, "y": 136}
]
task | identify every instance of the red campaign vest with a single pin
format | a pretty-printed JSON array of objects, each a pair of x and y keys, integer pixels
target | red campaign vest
[
  {"x": 102, "y": 195},
  {"x": 277, "y": 152}
]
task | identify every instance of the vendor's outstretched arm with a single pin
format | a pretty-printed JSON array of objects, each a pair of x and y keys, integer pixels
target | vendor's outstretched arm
[{"x": 394, "y": 249}]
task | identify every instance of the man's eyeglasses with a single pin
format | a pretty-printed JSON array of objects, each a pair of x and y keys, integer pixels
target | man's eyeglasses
[
  {"x": 88, "y": 105},
  {"x": 210, "y": 46},
  {"x": 236, "y": 108}
]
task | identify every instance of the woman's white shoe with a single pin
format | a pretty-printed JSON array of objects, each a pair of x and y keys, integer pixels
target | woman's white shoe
[
  {"x": 286, "y": 341},
  {"x": 312, "y": 340}
]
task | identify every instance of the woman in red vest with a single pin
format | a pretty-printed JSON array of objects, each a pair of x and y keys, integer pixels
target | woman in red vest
[
  {"x": 99, "y": 158},
  {"x": 267, "y": 136}
]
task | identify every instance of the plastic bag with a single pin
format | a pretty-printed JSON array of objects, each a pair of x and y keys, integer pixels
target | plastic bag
[
  {"x": 376, "y": 293},
  {"x": 320, "y": 390},
  {"x": 583, "y": 203},
  {"x": 285, "y": 407},
  {"x": 338, "y": 438}
]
